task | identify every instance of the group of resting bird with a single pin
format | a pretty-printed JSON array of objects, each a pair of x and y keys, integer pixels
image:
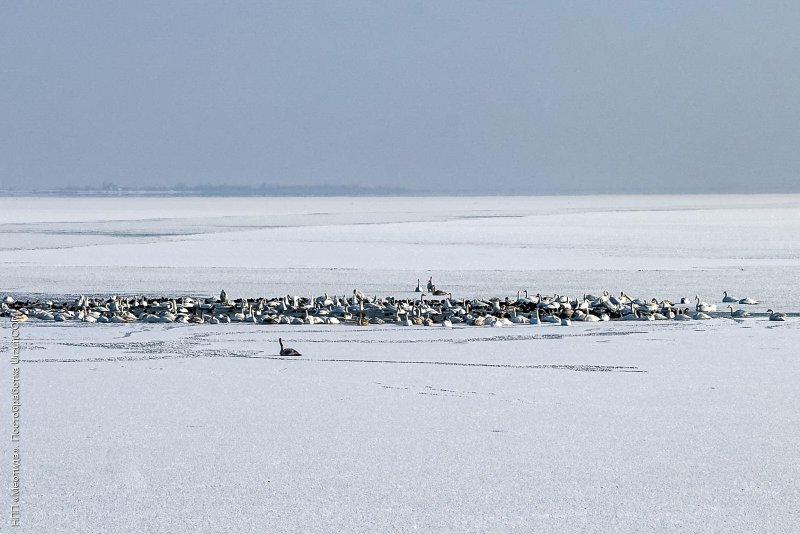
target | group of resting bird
[{"x": 361, "y": 310}]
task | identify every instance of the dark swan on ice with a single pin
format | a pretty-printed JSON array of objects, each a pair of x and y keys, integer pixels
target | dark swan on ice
[{"x": 287, "y": 351}]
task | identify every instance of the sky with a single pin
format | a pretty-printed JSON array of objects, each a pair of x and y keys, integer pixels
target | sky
[{"x": 449, "y": 96}]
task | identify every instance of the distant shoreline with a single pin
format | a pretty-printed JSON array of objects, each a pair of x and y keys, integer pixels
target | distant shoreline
[
  {"x": 362, "y": 193},
  {"x": 211, "y": 191}
]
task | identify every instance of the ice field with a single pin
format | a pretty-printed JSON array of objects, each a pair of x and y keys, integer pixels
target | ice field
[
  {"x": 659, "y": 246},
  {"x": 597, "y": 427}
]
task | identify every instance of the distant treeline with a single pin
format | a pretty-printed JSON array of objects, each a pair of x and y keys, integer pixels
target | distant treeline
[
  {"x": 536, "y": 188},
  {"x": 181, "y": 190}
]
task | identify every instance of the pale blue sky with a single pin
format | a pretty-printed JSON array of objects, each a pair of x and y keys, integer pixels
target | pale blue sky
[{"x": 469, "y": 96}]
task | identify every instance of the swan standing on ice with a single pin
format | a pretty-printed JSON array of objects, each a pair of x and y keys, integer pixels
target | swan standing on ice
[
  {"x": 419, "y": 287},
  {"x": 287, "y": 351}
]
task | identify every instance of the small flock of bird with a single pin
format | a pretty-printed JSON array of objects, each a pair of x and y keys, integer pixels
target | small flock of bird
[{"x": 364, "y": 311}]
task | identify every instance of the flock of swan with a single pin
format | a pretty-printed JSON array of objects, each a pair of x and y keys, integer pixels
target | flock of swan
[{"x": 361, "y": 310}]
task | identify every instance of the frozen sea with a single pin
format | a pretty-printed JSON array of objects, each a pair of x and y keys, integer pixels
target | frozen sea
[{"x": 623, "y": 427}]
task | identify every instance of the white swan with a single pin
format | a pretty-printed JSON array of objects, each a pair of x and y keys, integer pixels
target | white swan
[
  {"x": 590, "y": 318},
  {"x": 551, "y": 319},
  {"x": 748, "y": 300},
  {"x": 703, "y": 306},
  {"x": 739, "y": 314}
]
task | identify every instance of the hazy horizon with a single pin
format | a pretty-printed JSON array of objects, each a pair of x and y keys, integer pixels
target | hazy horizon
[
  {"x": 461, "y": 97},
  {"x": 325, "y": 190}
]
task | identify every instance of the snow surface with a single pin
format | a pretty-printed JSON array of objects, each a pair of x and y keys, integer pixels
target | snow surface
[{"x": 627, "y": 427}]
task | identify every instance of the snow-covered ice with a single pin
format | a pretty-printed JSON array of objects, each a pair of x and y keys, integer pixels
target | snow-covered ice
[
  {"x": 657, "y": 246},
  {"x": 621, "y": 427},
  {"x": 664, "y": 427}
]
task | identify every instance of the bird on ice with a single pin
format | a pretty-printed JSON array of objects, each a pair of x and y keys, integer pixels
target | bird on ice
[{"x": 287, "y": 351}]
